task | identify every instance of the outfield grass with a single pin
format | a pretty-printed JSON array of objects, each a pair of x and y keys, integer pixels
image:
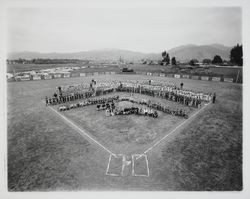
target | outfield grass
[{"x": 46, "y": 154}]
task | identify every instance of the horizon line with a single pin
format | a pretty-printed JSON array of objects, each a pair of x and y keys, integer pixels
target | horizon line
[{"x": 68, "y": 52}]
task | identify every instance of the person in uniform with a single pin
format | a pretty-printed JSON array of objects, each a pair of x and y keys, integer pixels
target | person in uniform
[
  {"x": 55, "y": 99},
  {"x": 214, "y": 97},
  {"x": 181, "y": 85},
  {"x": 60, "y": 90}
]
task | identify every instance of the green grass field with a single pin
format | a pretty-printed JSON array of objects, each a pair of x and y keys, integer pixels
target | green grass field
[{"x": 44, "y": 153}]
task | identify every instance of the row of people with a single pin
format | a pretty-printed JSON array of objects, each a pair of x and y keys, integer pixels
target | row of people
[
  {"x": 132, "y": 110},
  {"x": 158, "y": 106},
  {"x": 59, "y": 99},
  {"x": 105, "y": 106},
  {"x": 187, "y": 100},
  {"x": 109, "y": 103},
  {"x": 133, "y": 84},
  {"x": 87, "y": 102},
  {"x": 66, "y": 90}
]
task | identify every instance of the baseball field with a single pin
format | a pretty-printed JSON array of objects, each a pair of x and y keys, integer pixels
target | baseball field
[{"x": 82, "y": 149}]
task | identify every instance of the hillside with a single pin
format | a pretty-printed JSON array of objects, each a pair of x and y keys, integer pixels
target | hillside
[
  {"x": 185, "y": 53},
  {"x": 182, "y": 53},
  {"x": 103, "y": 54}
]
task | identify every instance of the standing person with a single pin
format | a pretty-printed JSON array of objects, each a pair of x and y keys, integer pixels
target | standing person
[
  {"x": 181, "y": 85},
  {"x": 55, "y": 98},
  {"x": 214, "y": 97},
  {"x": 60, "y": 90},
  {"x": 47, "y": 101},
  {"x": 91, "y": 85}
]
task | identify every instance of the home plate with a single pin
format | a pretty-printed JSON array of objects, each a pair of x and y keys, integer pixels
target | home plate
[{"x": 126, "y": 165}]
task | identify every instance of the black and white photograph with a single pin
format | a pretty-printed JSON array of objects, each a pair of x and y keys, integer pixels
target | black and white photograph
[{"x": 124, "y": 96}]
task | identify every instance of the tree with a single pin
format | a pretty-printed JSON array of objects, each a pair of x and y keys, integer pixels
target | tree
[
  {"x": 163, "y": 54},
  {"x": 165, "y": 58},
  {"x": 217, "y": 60},
  {"x": 173, "y": 61},
  {"x": 144, "y": 61},
  {"x": 207, "y": 61},
  {"x": 236, "y": 55},
  {"x": 160, "y": 62},
  {"x": 193, "y": 62}
]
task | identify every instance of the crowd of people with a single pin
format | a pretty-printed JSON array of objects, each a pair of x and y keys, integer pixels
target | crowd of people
[
  {"x": 108, "y": 104},
  {"x": 147, "y": 108},
  {"x": 165, "y": 90},
  {"x": 158, "y": 107},
  {"x": 60, "y": 99},
  {"x": 87, "y": 102},
  {"x": 185, "y": 97},
  {"x": 132, "y": 110}
]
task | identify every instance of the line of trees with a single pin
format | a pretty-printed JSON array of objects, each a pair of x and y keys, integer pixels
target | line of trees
[
  {"x": 166, "y": 59},
  {"x": 236, "y": 55},
  {"x": 236, "y": 58}
]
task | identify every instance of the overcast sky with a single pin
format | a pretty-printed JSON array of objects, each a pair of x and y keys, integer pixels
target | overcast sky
[{"x": 131, "y": 27}]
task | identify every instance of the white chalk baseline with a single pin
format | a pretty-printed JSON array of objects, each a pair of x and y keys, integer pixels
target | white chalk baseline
[
  {"x": 173, "y": 131},
  {"x": 80, "y": 131}
]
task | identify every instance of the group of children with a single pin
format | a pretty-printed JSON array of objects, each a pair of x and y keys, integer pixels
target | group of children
[
  {"x": 132, "y": 110},
  {"x": 158, "y": 107},
  {"x": 87, "y": 102},
  {"x": 147, "y": 108},
  {"x": 167, "y": 91},
  {"x": 184, "y": 97}
]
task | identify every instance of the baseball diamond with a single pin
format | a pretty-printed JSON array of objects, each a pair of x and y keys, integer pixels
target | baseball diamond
[
  {"x": 76, "y": 93},
  {"x": 124, "y": 96},
  {"x": 129, "y": 121}
]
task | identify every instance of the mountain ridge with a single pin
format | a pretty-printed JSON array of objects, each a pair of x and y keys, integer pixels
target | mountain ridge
[
  {"x": 182, "y": 53},
  {"x": 201, "y": 52}
]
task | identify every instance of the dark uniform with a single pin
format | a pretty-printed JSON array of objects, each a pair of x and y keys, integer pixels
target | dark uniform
[
  {"x": 214, "y": 97},
  {"x": 181, "y": 85}
]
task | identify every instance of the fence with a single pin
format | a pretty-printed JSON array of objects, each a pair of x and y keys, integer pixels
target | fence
[
  {"x": 87, "y": 74},
  {"x": 220, "y": 78}
]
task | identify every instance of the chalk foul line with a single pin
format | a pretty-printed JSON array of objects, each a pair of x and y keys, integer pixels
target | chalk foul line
[
  {"x": 80, "y": 131},
  {"x": 173, "y": 131}
]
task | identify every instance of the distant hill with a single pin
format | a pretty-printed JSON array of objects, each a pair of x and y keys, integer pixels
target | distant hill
[
  {"x": 182, "y": 53},
  {"x": 187, "y": 52},
  {"x": 104, "y": 54}
]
